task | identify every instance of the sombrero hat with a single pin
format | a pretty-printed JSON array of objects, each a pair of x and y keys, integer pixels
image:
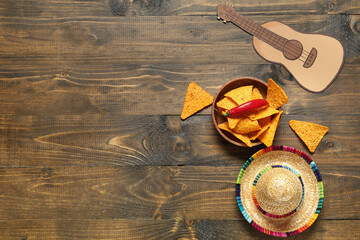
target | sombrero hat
[{"x": 279, "y": 191}]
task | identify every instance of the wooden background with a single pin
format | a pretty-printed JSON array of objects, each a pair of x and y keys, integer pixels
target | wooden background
[{"x": 92, "y": 145}]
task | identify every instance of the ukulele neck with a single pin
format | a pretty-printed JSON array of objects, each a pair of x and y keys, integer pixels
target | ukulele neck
[{"x": 258, "y": 31}]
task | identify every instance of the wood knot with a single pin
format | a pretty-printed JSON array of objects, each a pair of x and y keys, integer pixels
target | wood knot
[
  {"x": 120, "y": 7},
  {"x": 64, "y": 73},
  {"x": 354, "y": 24},
  {"x": 47, "y": 172},
  {"x": 138, "y": 7},
  {"x": 179, "y": 145},
  {"x": 330, "y": 144},
  {"x": 189, "y": 222},
  {"x": 173, "y": 123},
  {"x": 331, "y": 7},
  {"x": 357, "y": 27}
]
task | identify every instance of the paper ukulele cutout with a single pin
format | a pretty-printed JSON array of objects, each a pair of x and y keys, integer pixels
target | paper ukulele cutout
[{"x": 314, "y": 60}]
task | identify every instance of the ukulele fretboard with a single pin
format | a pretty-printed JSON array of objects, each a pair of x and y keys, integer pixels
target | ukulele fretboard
[{"x": 258, "y": 31}]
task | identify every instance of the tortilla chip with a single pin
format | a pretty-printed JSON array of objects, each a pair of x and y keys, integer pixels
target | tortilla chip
[
  {"x": 226, "y": 103},
  {"x": 250, "y": 114},
  {"x": 275, "y": 95},
  {"x": 245, "y": 139},
  {"x": 234, "y": 121},
  {"x": 264, "y": 124},
  {"x": 267, "y": 137},
  {"x": 256, "y": 94},
  {"x": 310, "y": 133},
  {"x": 196, "y": 99},
  {"x": 240, "y": 95},
  {"x": 246, "y": 125},
  {"x": 264, "y": 121},
  {"x": 263, "y": 113}
]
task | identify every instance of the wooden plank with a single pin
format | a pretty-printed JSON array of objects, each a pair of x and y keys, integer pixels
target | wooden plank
[
  {"x": 237, "y": 230},
  {"x": 161, "y": 229},
  {"x": 97, "y": 8},
  {"x": 188, "y": 192},
  {"x": 116, "y": 140},
  {"x": 159, "y": 39},
  {"x": 158, "y": 90},
  {"x": 100, "y": 66}
]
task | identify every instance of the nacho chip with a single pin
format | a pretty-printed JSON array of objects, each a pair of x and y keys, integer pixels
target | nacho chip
[
  {"x": 267, "y": 137},
  {"x": 250, "y": 114},
  {"x": 310, "y": 133},
  {"x": 275, "y": 95},
  {"x": 245, "y": 139},
  {"x": 226, "y": 103},
  {"x": 256, "y": 94},
  {"x": 240, "y": 95},
  {"x": 264, "y": 121},
  {"x": 234, "y": 121},
  {"x": 264, "y": 124},
  {"x": 196, "y": 99},
  {"x": 246, "y": 125},
  {"x": 263, "y": 113}
]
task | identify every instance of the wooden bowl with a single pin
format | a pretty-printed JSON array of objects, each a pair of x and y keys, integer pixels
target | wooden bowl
[{"x": 218, "y": 119}]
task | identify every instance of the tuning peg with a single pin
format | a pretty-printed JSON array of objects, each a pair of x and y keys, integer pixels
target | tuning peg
[
  {"x": 218, "y": 18},
  {"x": 224, "y": 21}
]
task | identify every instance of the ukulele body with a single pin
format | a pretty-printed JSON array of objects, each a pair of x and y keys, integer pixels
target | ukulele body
[{"x": 327, "y": 54}]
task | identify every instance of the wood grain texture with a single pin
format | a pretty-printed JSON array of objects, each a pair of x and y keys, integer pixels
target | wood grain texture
[
  {"x": 115, "y": 140},
  {"x": 187, "y": 192},
  {"x": 66, "y": 8},
  {"x": 106, "y": 66},
  {"x": 161, "y": 229},
  {"x": 91, "y": 142},
  {"x": 149, "y": 92},
  {"x": 179, "y": 37}
]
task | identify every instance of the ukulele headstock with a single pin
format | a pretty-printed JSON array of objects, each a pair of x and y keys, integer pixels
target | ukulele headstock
[{"x": 225, "y": 12}]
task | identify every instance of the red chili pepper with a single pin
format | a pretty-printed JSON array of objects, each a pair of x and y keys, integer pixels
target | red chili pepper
[{"x": 246, "y": 107}]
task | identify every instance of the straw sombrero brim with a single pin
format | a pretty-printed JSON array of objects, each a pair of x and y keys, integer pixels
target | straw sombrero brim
[{"x": 313, "y": 191}]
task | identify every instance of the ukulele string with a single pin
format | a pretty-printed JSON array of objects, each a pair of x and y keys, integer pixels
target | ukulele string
[
  {"x": 304, "y": 53},
  {"x": 298, "y": 48},
  {"x": 293, "y": 54},
  {"x": 249, "y": 26},
  {"x": 295, "y": 49},
  {"x": 292, "y": 47}
]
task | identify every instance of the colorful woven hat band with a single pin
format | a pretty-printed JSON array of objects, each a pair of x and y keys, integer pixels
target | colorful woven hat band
[{"x": 279, "y": 193}]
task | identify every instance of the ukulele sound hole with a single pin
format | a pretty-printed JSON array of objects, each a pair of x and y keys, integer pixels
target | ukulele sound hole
[{"x": 292, "y": 49}]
